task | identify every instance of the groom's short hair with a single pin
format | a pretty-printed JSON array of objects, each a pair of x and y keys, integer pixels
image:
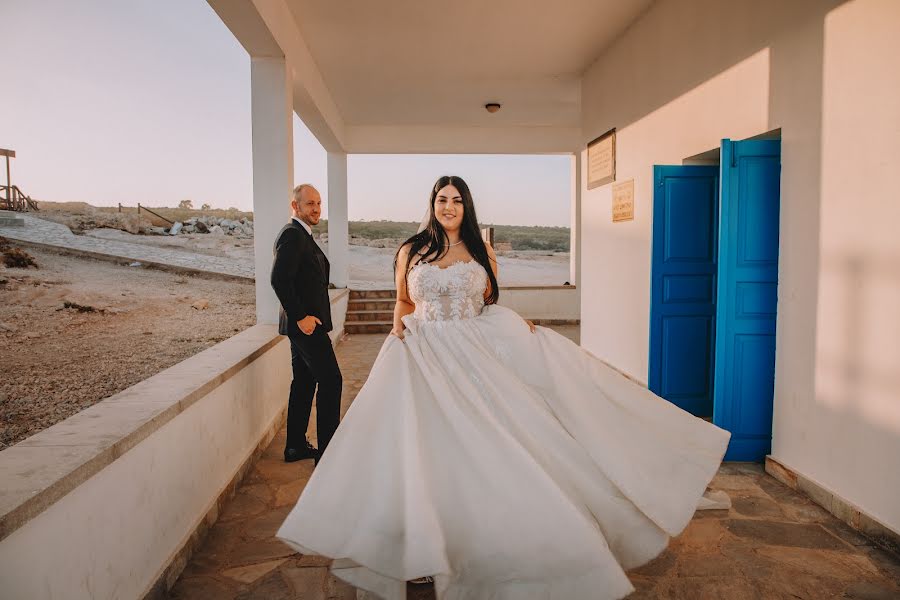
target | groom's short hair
[{"x": 299, "y": 190}]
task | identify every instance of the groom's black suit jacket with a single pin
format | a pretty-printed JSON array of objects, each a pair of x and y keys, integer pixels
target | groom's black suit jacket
[{"x": 300, "y": 279}]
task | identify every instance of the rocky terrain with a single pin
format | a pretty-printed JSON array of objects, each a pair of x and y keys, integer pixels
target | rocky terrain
[{"x": 207, "y": 224}]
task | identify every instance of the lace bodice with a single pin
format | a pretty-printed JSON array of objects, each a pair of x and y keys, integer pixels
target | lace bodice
[{"x": 447, "y": 294}]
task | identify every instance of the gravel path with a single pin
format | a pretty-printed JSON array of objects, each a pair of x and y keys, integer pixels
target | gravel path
[{"x": 41, "y": 231}]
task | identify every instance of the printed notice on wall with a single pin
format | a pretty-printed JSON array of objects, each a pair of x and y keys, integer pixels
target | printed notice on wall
[
  {"x": 623, "y": 201},
  {"x": 601, "y": 160}
]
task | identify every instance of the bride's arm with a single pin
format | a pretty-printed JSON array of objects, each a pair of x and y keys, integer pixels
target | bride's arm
[
  {"x": 404, "y": 305},
  {"x": 492, "y": 258}
]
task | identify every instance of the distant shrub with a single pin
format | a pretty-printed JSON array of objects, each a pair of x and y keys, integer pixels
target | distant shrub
[
  {"x": 537, "y": 237},
  {"x": 520, "y": 237},
  {"x": 16, "y": 258}
]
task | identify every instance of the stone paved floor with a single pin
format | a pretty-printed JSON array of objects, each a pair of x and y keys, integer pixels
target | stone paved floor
[
  {"x": 40, "y": 231},
  {"x": 772, "y": 544}
]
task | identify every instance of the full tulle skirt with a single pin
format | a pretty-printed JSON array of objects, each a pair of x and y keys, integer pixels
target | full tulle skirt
[{"x": 508, "y": 465}]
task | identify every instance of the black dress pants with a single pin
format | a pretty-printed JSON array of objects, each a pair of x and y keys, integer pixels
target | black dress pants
[{"x": 313, "y": 363}]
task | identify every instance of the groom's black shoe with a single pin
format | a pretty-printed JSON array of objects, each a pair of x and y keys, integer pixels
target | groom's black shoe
[{"x": 303, "y": 452}]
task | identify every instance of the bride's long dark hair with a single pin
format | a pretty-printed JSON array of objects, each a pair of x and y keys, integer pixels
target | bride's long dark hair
[{"x": 433, "y": 239}]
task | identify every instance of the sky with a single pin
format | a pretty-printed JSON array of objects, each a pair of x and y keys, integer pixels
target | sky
[{"x": 127, "y": 101}]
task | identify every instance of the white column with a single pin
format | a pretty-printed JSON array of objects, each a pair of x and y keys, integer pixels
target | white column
[
  {"x": 575, "y": 224},
  {"x": 338, "y": 232},
  {"x": 271, "y": 110}
]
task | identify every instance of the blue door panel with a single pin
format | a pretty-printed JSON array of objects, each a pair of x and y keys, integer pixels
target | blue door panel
[
  {"x": 686, "y": 378},
  {"x": 758, "y": 231},
  {"x": 754, "y": 357},
  {"x": 690, "y": 227},
  {"x": 755, "y": 299},
  {"x": 689, "y": 288}
]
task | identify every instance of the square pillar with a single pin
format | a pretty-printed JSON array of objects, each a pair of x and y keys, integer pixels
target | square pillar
[
  {"x": 271, "y": 108},
  {"x": 575, "y": 223},
  {"x": 338, "y": 227}
]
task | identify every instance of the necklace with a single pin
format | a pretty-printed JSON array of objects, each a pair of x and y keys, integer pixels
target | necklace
[{"x": 454, "y": 243}]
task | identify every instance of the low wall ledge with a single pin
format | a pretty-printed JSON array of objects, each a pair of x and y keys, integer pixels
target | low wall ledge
[{"x": 40, "y": 470}]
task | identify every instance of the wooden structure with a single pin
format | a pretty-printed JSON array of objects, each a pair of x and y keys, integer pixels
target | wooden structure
[{"x": 11, "y": 197}]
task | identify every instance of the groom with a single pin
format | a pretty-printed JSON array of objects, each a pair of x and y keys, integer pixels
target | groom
[{"x": 300, "y": 279}]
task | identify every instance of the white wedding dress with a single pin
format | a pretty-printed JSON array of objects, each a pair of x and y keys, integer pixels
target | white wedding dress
[{"x": 508, "y": 465}]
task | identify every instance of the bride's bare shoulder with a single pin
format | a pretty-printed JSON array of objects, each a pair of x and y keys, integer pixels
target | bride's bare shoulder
[{"x": 404, "y": 252}]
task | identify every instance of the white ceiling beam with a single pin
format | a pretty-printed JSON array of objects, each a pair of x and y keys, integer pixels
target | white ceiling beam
[
  {"x": 245, "y": 23},
  {"x": 454, "y": 139},
  {"x": 266, "y": 28}
]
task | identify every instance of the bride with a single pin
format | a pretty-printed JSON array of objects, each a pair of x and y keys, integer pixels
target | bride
[{"x": 496, "y": 457}]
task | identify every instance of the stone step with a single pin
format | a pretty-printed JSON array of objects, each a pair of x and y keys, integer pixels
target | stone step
[
  {"x": 549, "y": 322},
  {"x": 371, "y": 304},
  {"x": 372, "y": 294},
  {"x": 383, "y": 327},
  {"x": 370, "y": 316},
  {"x": 9, "y": 218}
]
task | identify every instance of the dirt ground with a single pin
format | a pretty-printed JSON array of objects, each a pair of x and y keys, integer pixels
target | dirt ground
[{"x": 56, "y": 361}]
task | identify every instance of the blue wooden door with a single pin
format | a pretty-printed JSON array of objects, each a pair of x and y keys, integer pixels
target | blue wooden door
[
  {"x": 683, "y": 286},
  {"x": 747, "y": 295}
]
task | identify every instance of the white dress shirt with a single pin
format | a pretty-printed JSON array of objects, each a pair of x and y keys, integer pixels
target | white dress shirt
[{"x": 305, "y": 226}]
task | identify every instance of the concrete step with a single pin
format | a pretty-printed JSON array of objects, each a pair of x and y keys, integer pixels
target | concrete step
[
  {"x": 549, "y": 322},
  {"x": 371, "y": 304},
  {"x": 9, "y": 218},
  {"x": 372, "y": 294},
  {"x": 370, "y": 316},
  {"x": 383, "y": 327}
]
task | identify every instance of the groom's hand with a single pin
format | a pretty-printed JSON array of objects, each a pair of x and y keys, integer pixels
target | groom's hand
[{"x": 308, "y": 324}]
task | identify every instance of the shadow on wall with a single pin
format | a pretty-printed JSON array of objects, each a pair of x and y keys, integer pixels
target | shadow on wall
[
  {"x": 858, "y": 287},
  {"x": 696, "y": 41},
  {"x": 853, "y": 435}
]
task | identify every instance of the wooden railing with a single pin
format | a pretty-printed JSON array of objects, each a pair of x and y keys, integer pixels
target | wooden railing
[
  {"x": 144, "y": 208},
  {"x": 12, "y": 198}
]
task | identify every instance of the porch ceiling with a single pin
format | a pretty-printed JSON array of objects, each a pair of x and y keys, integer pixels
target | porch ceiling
[
  {"x": 413, "y": 76},
  {"x": 415, "y": 62}
]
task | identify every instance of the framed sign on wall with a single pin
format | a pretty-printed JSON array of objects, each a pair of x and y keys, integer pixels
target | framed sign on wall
[
  {"x": 623, "y": 201},
  {"x": 601, "y": 160}
]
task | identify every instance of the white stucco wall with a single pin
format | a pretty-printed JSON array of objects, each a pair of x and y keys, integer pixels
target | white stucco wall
[
  {"x": 542, "y": 302},
  {"x": 849, "y": 428},
  {"x": 111, "y": 536},
  {"x": 691, "y": 72},
  {"x": 116, "y": 532}
]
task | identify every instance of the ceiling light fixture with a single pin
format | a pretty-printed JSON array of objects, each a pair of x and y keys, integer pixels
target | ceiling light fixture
[{"x": 492, "y": 107}]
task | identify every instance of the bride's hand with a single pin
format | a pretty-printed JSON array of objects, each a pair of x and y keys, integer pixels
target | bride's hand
[
  {"x": 397, "y": 332},
  {"x": 530, "y": 325}
]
